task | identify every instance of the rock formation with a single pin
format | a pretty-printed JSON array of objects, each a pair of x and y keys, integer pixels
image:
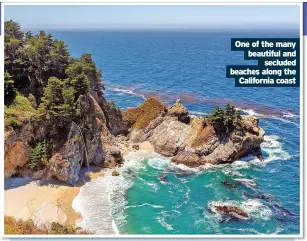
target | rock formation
[
  {"x": 193, "y": 141},
  {"x": 229, "y": 210},
  {"x": 90, "y": 141},
  {"x": 93, "y": 140}
]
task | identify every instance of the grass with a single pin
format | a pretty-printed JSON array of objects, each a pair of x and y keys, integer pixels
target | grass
[
  {"x": 21, "y": 108},
  {"x": 19, "y": 227},
  {"x": 141, "y": 116}
]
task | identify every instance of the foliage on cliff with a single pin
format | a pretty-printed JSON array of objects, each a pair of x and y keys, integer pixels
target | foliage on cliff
[
  {"x": 19, "y": 227},
  {"x": 41, "y": 66},
  {"x": 225, "y": 120},
  {"x": 141, "y": 116}
]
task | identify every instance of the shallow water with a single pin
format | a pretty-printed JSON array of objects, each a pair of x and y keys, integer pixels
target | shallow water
[{"x": 191, "y": 66}]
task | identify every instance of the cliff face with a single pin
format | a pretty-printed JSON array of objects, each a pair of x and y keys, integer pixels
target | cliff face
[
  {"x": 193, "y": 141},
  {"x": 88, "y": 141},
  {"x": 91, "y": 140}
]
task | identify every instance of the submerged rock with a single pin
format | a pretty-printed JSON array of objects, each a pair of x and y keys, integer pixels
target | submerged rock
[{"x": 230, "y": 210}]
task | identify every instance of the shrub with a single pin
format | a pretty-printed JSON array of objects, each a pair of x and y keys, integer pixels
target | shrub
[
  {"x": 20, "y": 108},
  {"x": 12, "y": 122},
  {"x": 20, "y": 105},
  {"x": 141, "y": 116},
  {"x": 20, "y": 227},
  {"x": 38, "y": 157},
  {"x": 225, "y": 120}
]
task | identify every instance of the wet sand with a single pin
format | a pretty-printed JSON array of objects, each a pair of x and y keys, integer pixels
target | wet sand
[{"x": 44, "y": 202}]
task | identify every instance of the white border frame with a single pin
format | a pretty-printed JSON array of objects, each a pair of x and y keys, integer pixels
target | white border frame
[{"x": 159, "y": 2}]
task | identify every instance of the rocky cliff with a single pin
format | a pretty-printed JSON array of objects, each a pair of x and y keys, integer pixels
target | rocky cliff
[
  {"x": 96, "y": 138},
  {"x": 193, "y": 141},
  {"x": 88, "y": 141}
]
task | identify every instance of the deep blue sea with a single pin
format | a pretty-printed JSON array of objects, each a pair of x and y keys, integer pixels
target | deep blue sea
[{"x": 191, "y": 66}]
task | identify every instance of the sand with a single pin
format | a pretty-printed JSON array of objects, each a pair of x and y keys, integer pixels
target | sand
[
  {"x": 47, "y": 202},
  {"x": 44, "y": 202}
]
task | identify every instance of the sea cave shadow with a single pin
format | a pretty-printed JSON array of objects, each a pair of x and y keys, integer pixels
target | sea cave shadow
[
  {"x": 85, "y": 176},
  {"x": 16, "y": 182}
]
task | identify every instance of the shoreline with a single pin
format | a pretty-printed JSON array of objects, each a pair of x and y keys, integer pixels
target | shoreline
[
  {"x": 52, "y": 201},
  {"x": 45, "y": 201}
]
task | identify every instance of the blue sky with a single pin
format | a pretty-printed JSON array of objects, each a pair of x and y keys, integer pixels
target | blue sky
[{"x": 139, "y": 17}]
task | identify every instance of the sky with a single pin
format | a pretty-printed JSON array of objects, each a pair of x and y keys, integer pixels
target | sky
[{"x": 33, "y": 17}]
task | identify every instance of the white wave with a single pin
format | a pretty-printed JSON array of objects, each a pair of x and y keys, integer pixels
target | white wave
[
  {"x": 144, "y": 204},
  {"x": 98, "y": 200},
  {"x": 153, "y": 185},
  {"x": 159, "y": 162},
  {"x": 162, "y": 221},
  {"x": 253, "y": 207},
  {"x": 250, "y": 112},
  {"x": 289, "y": 115},
  {"x": 212, "y": 207},
  {"x": 246, "y": 182},
  {"x": 256, "y": 209},
  {"x": 284, "y": 116},
  {"x": 195, "y": 170},
  {"x": 274, "y": 148},
  {"x": 115, "y": 227},
  {"x": 127, "y": 91},
  {"x": 198, "y": 113}
]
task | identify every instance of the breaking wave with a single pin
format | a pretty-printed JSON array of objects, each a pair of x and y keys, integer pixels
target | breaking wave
[{"x": 253, "y": 207}]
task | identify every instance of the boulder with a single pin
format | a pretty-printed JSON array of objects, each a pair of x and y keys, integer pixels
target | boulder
[
  {"x": 170, "y": 137},
  {"x": 16, "y": 155},
  {"x": 178, "y": 110},
  {"x": 115, "y": 173},
  {"x": 230, "y": 210},
  {"x": 186, "y": 158}
]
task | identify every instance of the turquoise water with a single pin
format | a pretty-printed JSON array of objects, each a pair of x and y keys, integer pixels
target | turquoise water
[{"x": 191, "y": 66}]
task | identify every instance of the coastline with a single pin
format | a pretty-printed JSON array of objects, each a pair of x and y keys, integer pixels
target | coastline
[
  {"x": 52, "y": 201},
  {"x": 44, "y": 201}
]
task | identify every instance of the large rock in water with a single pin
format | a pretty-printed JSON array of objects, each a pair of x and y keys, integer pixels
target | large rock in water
[
  {"x": 196, "y": 143},
  {"x": 229, "y": 210}
]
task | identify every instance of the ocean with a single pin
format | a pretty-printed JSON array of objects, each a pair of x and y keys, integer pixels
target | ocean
[{"x": 192, "y": 66}]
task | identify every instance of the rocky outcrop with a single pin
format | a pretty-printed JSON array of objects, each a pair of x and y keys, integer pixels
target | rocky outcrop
[
  {"x": 229, "y": 210},
  {"x": 16, "y": 155},
  {"x": 195, "y": 142},
  {"x": 88, "y": 141},
  {"x": 66, "y": 164},
  {"x": 16, "y": 146},
  {"x": 178, "y": 110}
]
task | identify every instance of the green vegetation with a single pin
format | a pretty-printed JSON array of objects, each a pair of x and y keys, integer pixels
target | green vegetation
[
  {"x": 21, "y": 108},
  {"x": 225, "y": 120},
  {"x": 41, "y": 67},
  {"x": 39, "y": 154},
  {"x": 19, "y": 227},
  {"x": 141, "y": 116}
]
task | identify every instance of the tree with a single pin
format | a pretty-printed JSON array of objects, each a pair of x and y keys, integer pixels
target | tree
[
  {"x": 52, "y": 98},
  {"x": 12, "y": 31},
  {"x": 58, "y": 99},
  {"x": 9, "y": 88},
  {"x": 225, "y": 120}
]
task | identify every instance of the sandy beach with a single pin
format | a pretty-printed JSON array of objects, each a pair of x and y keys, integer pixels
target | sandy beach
[{"x": 46, "y": 202}]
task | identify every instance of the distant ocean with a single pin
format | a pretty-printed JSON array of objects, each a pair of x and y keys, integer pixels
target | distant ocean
[{"x": 191, "y": 66}]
